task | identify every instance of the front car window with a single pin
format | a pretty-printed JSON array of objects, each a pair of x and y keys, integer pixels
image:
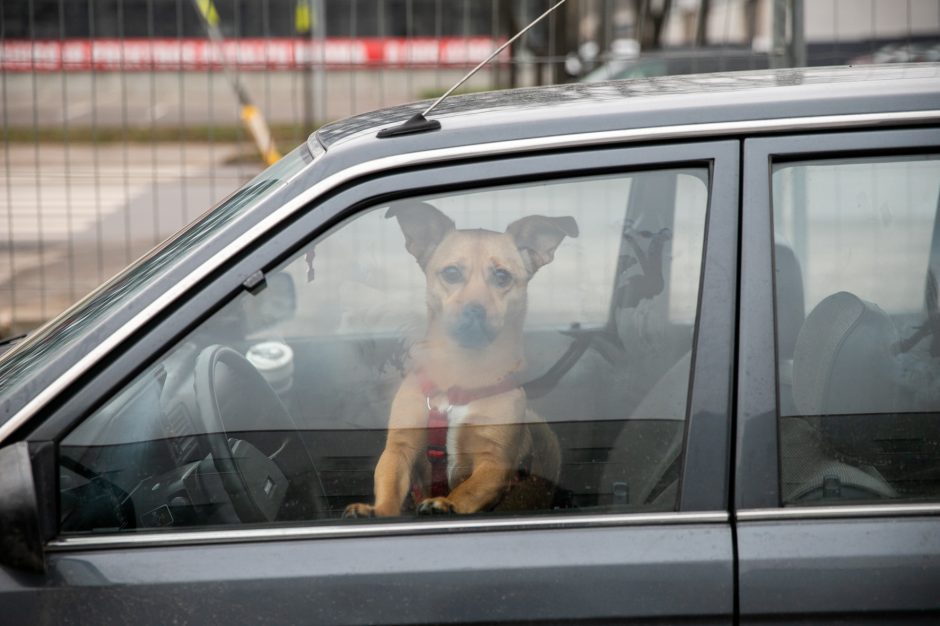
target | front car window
[
  {"x": 521, "y": 349},
  {"x": 857, "y": 256}
]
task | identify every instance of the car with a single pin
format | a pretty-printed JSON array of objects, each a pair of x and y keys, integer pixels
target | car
[
  {"x": 737, "y": 350},
  {"x": 901, "y": 52},
  {"x": 680, "y": 60}
]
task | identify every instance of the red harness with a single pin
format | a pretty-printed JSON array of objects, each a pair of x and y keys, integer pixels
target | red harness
[{"x": 438, "y": 425}]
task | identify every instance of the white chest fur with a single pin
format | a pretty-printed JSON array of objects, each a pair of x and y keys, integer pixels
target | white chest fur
[{"x": 456, "y": 415}]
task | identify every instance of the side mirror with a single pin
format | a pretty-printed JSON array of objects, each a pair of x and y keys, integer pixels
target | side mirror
[{"x": 21, "y": 543}]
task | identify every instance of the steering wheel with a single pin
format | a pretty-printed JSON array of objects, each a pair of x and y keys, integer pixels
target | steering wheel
[{"x": 232, "y": 396}]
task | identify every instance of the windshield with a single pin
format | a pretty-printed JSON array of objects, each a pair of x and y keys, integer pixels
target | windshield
[{"x": 45, "y": 346}]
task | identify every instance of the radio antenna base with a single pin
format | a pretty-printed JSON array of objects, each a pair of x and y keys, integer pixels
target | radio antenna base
[{"x": 417, "y": 123}]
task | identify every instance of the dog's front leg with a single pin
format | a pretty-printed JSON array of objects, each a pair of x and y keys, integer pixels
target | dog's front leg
[
  {"x": 407, "y": 436},
  {"x": 489, "y": 452},
  {"x": 393, "y": 474},
  {"x": 485, "y": 486}
]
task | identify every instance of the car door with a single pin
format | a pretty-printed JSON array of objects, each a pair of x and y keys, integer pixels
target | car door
[
  {"x": 838, "y": 472},
  {"x": 202, "y": 474}
]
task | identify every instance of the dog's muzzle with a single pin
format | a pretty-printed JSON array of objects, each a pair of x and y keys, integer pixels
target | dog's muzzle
[{"x": 470, "y": 328}]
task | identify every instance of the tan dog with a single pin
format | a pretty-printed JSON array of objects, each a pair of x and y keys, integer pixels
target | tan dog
[{"x": 465, "y": 371}]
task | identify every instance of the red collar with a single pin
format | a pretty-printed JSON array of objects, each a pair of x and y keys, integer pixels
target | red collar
[{"x": 458, "y": 396}]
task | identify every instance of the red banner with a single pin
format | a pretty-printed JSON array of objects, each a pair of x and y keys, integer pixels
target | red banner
[{"x": 135, "y": 55}]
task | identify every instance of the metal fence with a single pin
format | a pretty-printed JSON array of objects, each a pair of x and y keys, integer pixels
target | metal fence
[{"x": 122, "y": 120}]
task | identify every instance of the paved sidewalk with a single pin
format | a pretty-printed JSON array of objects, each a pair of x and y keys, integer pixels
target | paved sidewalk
[{"x": 71, "y": 217}]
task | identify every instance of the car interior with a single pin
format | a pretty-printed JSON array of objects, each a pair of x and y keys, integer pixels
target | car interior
[
  {"x": 258, "y": 416},
  {"x": 254, "y": 418},
  {"x": 858, "y": 379}
]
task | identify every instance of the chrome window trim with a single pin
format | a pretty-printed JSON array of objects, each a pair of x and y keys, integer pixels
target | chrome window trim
[
  {"x": 429, "y": 527},
  {"x": 837, "y": 512},
  {"x": 682, "y": 131}
]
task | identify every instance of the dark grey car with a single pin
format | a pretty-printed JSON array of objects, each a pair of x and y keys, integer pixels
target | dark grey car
[
  {"x": 739, "y": 355},
  {"x": 694, "y": 60}
]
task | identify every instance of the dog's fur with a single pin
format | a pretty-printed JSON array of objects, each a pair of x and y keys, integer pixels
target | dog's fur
[{"x": 476, "y": 300}]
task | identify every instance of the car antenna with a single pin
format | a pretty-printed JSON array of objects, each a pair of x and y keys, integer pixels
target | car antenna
[{"x": 419, "y": 122}]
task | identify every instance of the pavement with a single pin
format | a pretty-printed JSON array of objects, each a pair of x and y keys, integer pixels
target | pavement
[
  {"x": 72, "y": 216},
  {"x": 174, "y": 99}
]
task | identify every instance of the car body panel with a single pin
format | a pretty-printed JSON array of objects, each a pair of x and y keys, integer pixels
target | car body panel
[
  {"x": 609, "y": 574},
  {"x": 854, "y": 570}
]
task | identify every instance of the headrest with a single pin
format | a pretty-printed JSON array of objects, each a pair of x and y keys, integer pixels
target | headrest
[{"x": 842, "y": 362}]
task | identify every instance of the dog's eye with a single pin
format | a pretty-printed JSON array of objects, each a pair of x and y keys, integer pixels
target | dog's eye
[
  {"x": 452, "y": 274},
  {"x": 502, "y": 278}
]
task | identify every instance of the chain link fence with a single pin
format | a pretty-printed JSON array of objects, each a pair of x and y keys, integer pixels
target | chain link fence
[{"x": 123, "y": 120}]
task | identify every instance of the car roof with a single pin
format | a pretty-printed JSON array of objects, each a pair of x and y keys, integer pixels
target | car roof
[{"x": 641, "y": 103}]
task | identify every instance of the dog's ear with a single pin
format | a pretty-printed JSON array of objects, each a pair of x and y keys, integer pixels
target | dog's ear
[
  {"x": 423, "y": 226},
  {"x": 537, "y": 236}
]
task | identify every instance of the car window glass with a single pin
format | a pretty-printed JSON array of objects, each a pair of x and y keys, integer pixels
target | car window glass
[
  {"x": 502, "y": 350},
  {"x": 857, "y": 255}
]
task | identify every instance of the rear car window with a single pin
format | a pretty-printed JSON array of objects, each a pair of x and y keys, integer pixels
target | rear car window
[
  {"x": 548, "y": 323},
  {"x": 857, "y": 258}
]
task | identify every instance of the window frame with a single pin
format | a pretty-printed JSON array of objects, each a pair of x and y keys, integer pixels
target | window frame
[
  {"x": 757, "y": 457},
  {"x": 706, "y": 466}
]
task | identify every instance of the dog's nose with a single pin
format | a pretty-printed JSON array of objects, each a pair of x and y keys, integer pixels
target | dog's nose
[
  {"x": 474, "y": 312},
  {"x": 470, "y": 328}
]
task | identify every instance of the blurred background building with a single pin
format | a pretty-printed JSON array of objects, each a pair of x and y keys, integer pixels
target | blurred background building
[{"x": 123, "y": 120}]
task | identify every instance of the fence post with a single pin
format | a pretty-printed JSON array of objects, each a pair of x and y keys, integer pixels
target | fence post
[
  {"x": 798, "y": 40},
  {"x": 318, "y": 73},
  {"x": 779, "y": 29}
]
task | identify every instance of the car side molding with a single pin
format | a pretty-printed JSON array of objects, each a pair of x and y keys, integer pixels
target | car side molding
[{"x": 371, "y": 528}]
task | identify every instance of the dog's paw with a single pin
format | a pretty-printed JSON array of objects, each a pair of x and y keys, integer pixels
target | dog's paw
[
  {"x": 436, "y": 506},
  {"x": 359, "y": 510}
]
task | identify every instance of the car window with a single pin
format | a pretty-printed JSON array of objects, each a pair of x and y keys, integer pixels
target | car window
[
  {"x": 857, "y": 255},
  {"x": 512, "y": 349}
]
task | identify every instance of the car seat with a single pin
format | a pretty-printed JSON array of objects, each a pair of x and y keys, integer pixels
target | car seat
[
  {"x": 843, "y": 372},
  {"x": 843, "y": 361},
  {"x": 645, "y": 458}
]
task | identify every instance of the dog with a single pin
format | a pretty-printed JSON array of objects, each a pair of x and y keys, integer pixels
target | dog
[{"x": 463, "y": 379}]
